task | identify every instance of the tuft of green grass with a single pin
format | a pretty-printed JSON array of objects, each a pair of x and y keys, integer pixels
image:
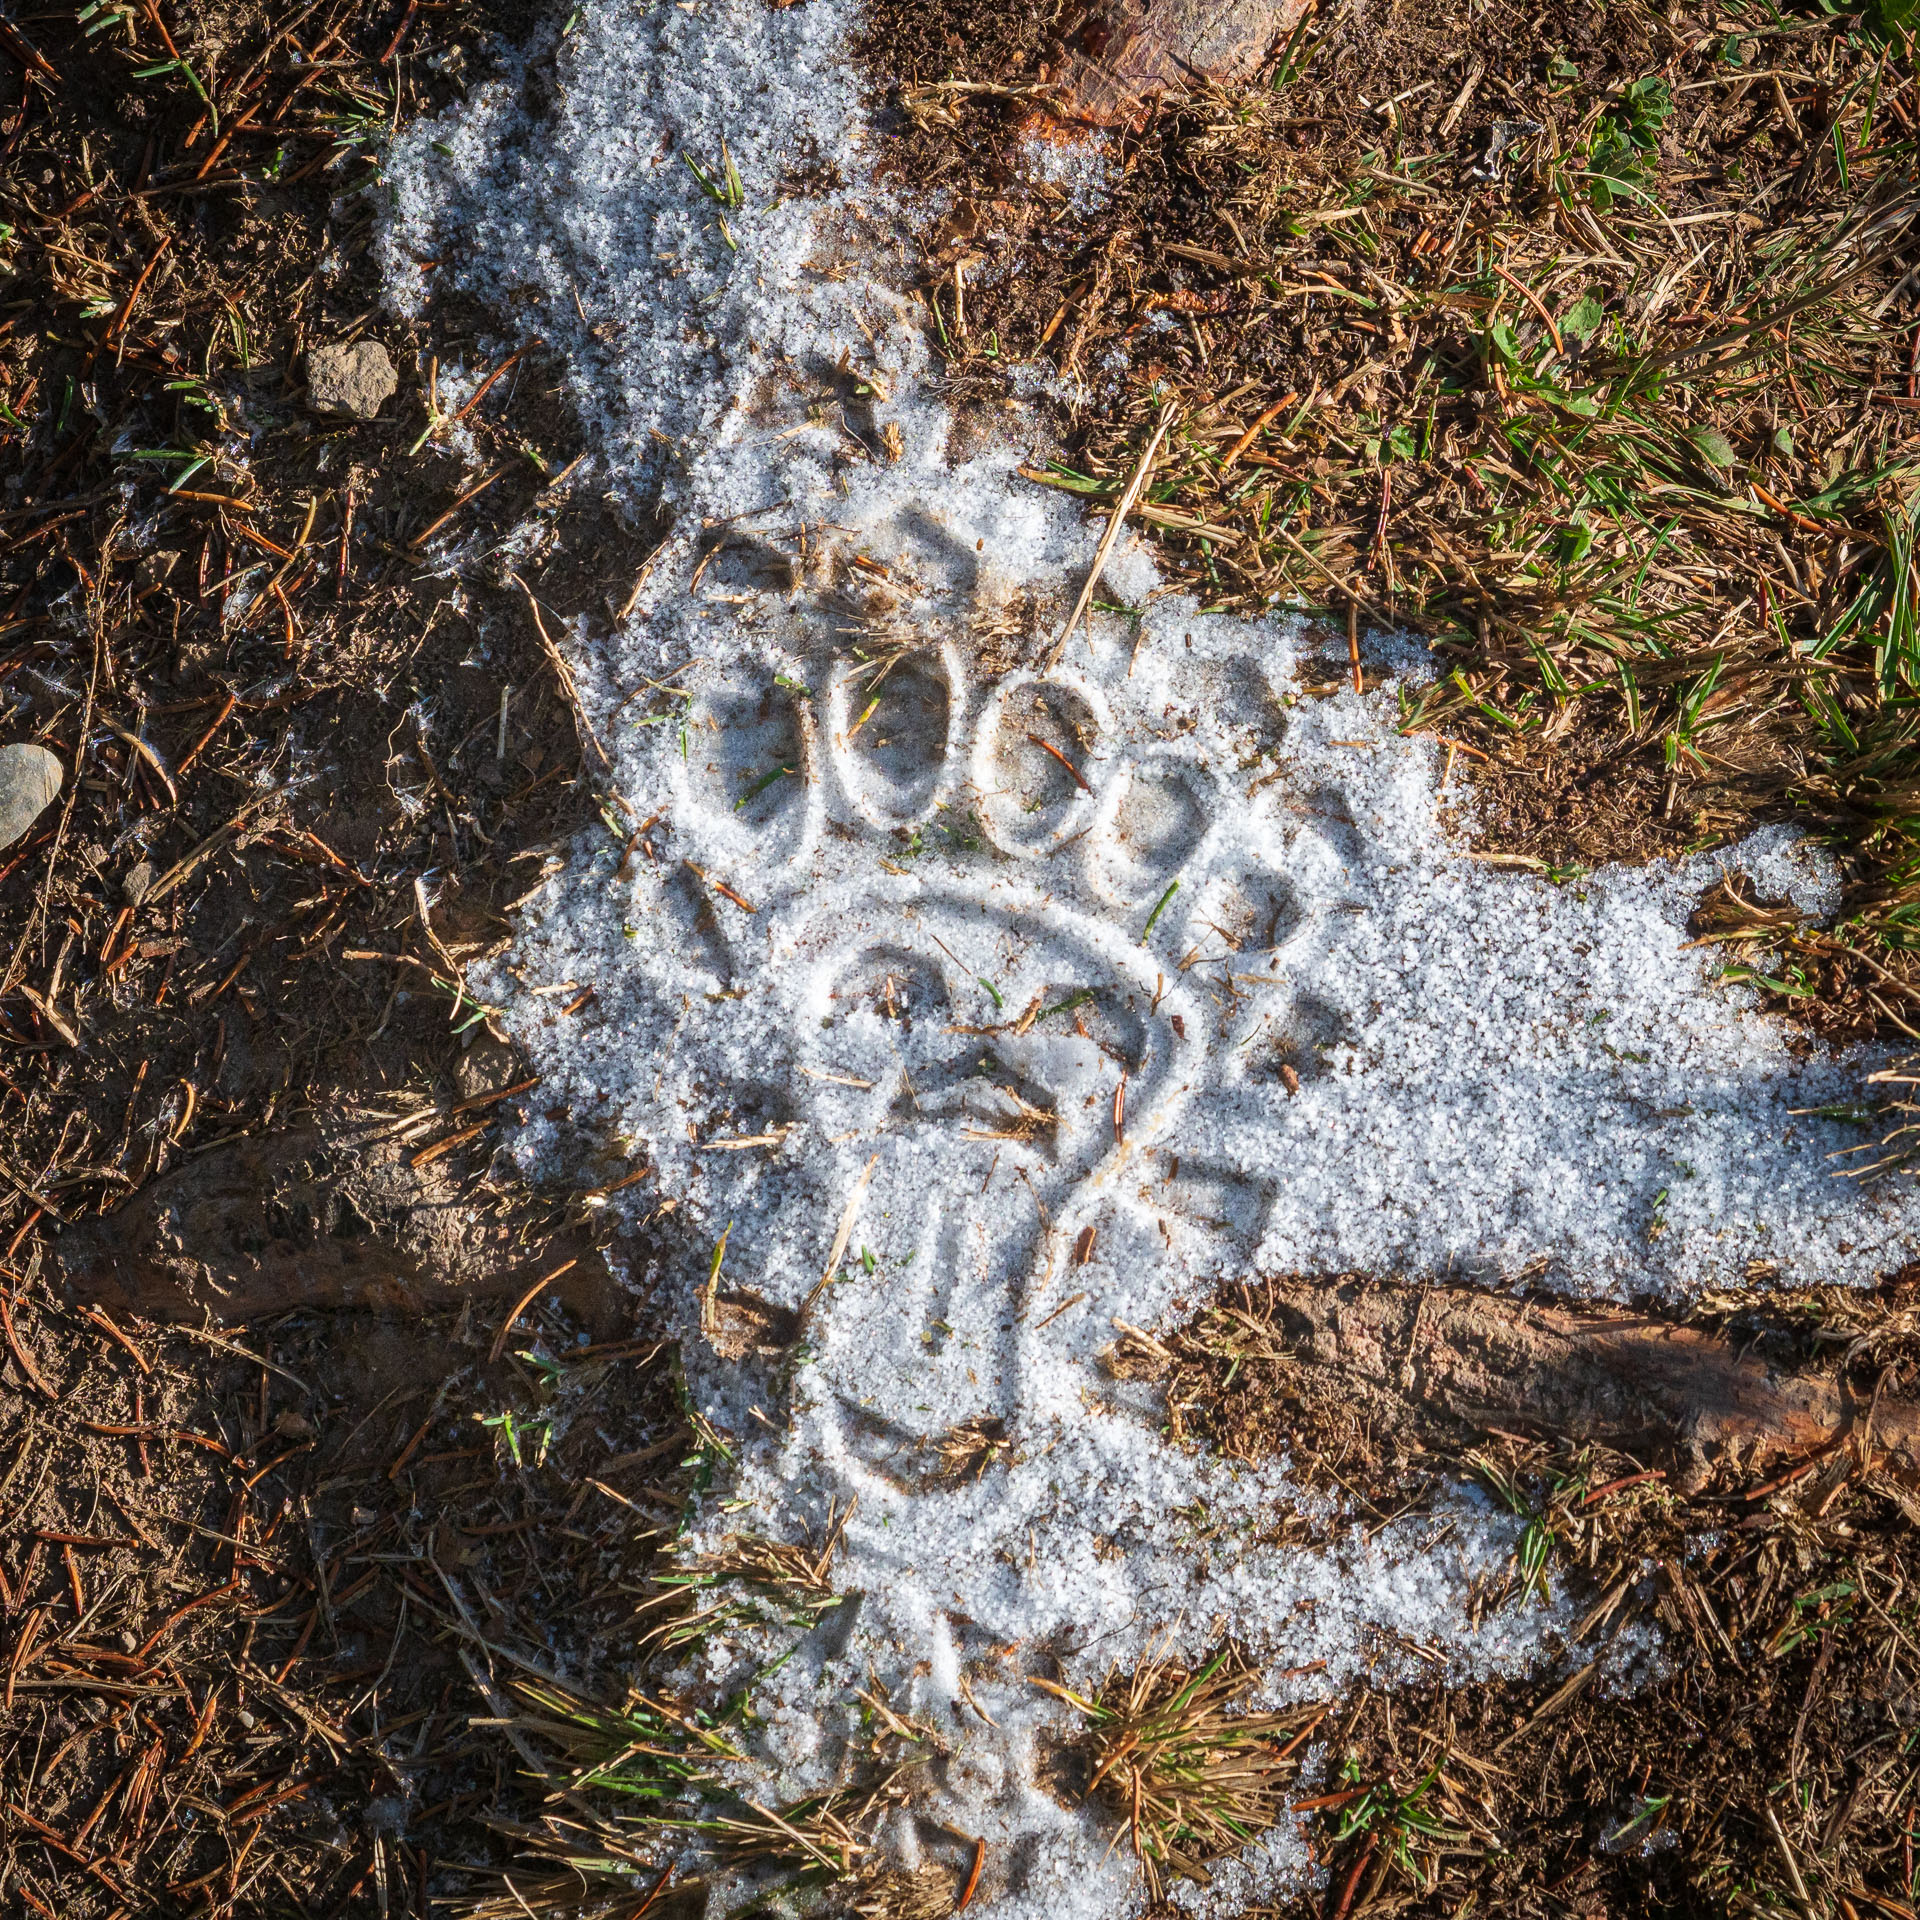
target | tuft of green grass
[
  {"x": 1190, "y": 1776},
  {"x": 749, "y": 1580},
  {"x": 643, "y": 1750},
  {"x": 1384, "y": 1828}
]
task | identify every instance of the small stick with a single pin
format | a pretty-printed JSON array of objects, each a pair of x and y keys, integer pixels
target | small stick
[
  {"x": 1800, "y": 1895},
  {"x": 1353, "y": 642},
  {"x": 1058, "y": 1311},
  {"x": 1079, "y": 779},
  {"x": 1532, "y": 299},
  {"x": 1168, "y": 414},
  {"x": 1353, "y": 1879},
  {"x": 106, "y": 949},
  {"x": 393, "y": 45},
  {"x": 521, "y": 1305},
  {"x": 480, "y": 392},
  {"x": 1313, "y": 560},
  {"x": 491, "y": 1099},
  {"x": 1247, "y": 439},
  {"x": 841, "y": 1236},
  {"x": 428, "y": 1154},
  {"x": 20, "y": 1353},
  {"x": 720, "y": 886},
  {"x": 139, "y": 286},
  {"x": 433, "y": 526},
  {"x": 179, "y": 1613},
  {"x": 99, "y": 1317},
  {"x": 655, "y": 1891},
  {"x": 25, "y": 51},
  {"x": 407, "y": 1452},
  {"x": 562, "y": 672},
  {"x": 22, "y": 1647},
  {"x": 13, "y": 1245},
  {"x": 973, "y": 1877},
  {"x": 346, "y": 534},
  {"x": 193, "y": 752}
]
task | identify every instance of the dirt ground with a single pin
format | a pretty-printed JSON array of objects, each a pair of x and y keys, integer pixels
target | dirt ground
[
  {"x": 1763, "y": 1764},
  {"x": 315, "y": 746},
  {"x": 266, "y": 1385}
]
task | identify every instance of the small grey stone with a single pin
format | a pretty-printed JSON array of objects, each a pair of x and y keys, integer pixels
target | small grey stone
[
  {"x": 30, "y": 779},
  {"x": 138, "y": 883},
  {"x": 155, "y": 567},
  {"x": 486, "y": 1067},
  {"x": 355, "y": 381}
]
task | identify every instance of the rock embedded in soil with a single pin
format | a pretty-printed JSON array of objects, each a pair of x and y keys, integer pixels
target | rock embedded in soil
[
  {"x": 30, "y": 780},
  {"x": 352, "y": 381},
  {"x": 1130, "y": 50}
]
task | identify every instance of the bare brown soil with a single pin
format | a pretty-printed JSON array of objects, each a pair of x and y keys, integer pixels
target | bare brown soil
[
  {"x": 235, "y": 1680},
  {"x": 314, "y": 744},
  {"x": 314, "y": 749},
  {"x": 1743, "y": 1480}
]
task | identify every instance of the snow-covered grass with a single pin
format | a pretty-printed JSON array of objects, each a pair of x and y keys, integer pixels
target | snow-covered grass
[{"x": 979, "y": 1005}]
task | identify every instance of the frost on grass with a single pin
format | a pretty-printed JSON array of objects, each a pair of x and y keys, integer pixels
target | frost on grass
[{"x": 981, "y": 999}]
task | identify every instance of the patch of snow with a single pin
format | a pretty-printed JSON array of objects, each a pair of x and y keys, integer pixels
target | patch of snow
[
  {"x": 1065, "y": 988},
  {"x": 1083, "y": 170}
]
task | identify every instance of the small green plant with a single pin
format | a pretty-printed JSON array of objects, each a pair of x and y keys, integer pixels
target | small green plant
[
  {"x": 761, "y": 784},
  {"x": 1621, "y": 148},
  {"x": 676, "y": 712},
  {"x": 749, "y": 1580},
  {"x": 102, "y": 16},
  {"x": 643, "y": 1749},
  {"x": 516, "y": 1429},
  {"x": 723, "y": 187},
  {"x": 1386, "y": 1820},
  {"x": 1536, "y": 1538}
]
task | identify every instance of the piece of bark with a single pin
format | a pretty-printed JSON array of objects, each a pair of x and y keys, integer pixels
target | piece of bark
[
  {"x": 313, "y": 1219},
  {"x": 1589, "y": 1373},
  {"x": 1385, "y": 1364},
  {"x": 1127, "y": 51}
]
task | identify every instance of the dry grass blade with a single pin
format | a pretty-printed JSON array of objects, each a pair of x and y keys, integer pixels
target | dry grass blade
[
  {"x": 897, "y": 1893},
  {"x": 789, "y": 1568},
  {"x": 966, "y": 1451},
  {"x": 686, "y": 1604},
  {"x": 1129, "y": 496},
  {"x": 583, "y": 1892}
]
